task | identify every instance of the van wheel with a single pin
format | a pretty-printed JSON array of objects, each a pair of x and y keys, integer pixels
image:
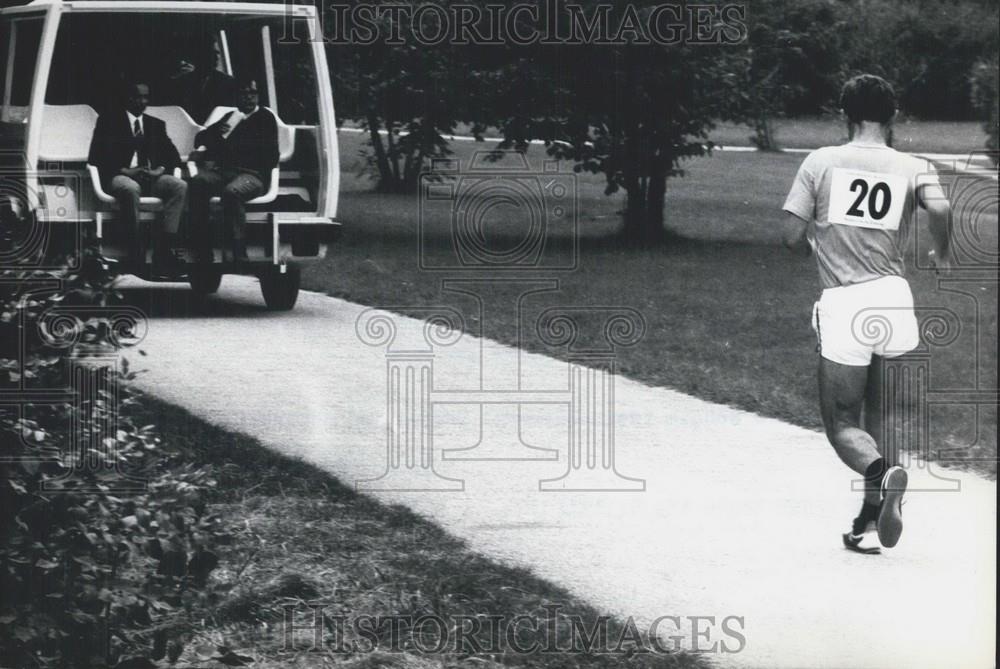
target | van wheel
[
  {"x": 205, "y": 280},
  {"x": 280, "y": 290}
]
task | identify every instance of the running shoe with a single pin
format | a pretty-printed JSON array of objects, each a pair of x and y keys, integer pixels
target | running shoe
[
  {"x": 890, "y": 512},
  {"x": 866, "y": 541}
]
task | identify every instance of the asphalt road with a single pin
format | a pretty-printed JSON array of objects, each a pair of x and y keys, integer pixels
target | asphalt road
[{"x": 736, "y": 516}]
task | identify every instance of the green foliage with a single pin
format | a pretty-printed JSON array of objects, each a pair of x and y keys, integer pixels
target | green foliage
[
  {"x": 106, "y": 541},
  {"x": 925, "y": 48},
  {"x": 789, "y": 65},
  {"x": 631, "y": 112},
  {"x": 986, "y": 99},
  {"x": 799, "y": 53},
  {"x": 407, "y": 96}
]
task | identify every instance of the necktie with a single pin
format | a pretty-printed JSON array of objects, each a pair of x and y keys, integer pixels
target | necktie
[{"x": 140, "y": 144}]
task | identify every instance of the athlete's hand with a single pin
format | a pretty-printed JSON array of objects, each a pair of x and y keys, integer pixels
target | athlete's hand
[{"x": 940, "y": 262}]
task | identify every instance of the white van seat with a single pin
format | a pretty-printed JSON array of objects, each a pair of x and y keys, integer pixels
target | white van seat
[
  {"x": 146, "y": 201},
  {"x": 181, "y": 128},
  {"x": 67, "y": 133}
]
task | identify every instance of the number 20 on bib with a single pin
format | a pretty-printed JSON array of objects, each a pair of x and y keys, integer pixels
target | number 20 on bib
[{"x": 867, "y": 199}]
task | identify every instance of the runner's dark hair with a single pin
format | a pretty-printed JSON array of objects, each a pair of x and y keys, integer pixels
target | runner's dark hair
[{"x": 868, "y": 97}]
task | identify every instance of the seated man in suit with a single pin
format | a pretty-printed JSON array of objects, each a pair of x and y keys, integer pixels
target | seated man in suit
[
  {"x": 237, "y": 154},
  {"x": 135, "y": 157}
]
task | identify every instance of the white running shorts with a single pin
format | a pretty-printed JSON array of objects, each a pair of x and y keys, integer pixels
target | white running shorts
[{"x": 853, "y": 322}]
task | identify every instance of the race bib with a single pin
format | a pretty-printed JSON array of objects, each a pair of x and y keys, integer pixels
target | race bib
[{"x": 867, "y": 199}]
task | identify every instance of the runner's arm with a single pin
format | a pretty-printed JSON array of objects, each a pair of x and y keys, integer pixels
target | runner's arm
[
  {"x": 794, "y": 235},
  {"x": 935, "y": 202}
]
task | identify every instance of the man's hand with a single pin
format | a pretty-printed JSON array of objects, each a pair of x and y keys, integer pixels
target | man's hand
[
  {"x": 143, "y": 175},
  {"x": 221, "y": 126},
  {"x": 184, "y": 68},
  {"x": 941, "y": 262}
]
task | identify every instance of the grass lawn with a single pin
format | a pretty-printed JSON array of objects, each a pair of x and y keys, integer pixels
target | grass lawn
[
  {"x": 299, "y": 536},
  {"x": 727, "y": 308},
  {"x": 908, "y": 135},
  {"x": 807, "y": 133}
]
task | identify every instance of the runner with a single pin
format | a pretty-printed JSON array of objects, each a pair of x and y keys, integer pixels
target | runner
[{"x": 853, "y": 206}]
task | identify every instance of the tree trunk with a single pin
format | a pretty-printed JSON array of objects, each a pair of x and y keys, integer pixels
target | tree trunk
[
  {"x": 381, "y": 160},
  {"x": 764, "y": 133},
  {"x": 393, "y": 157},
  {"x": 644, "y": 211},
  {"x": 656, "y": 194},
  {"x": 415, "y": 159}
]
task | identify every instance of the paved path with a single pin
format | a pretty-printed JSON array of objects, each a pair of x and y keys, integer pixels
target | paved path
[{"x": 740, "y": 516}]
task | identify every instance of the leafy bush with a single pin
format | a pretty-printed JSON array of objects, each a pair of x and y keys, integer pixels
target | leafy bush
[
  {"x": 986, "y": 99},
  {"x": 107, "y": 545}
]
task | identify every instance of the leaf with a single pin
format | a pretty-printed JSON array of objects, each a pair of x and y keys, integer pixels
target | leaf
[
  {"x": 201, "y": 565},
  {"x": 46, "y": 564},
  {"x": 160, "y": 644},
  {"x": 173, "y": 563},
  {"x": 232, "y": 659},
  {"x": 174, "y": 650},
  {"x": 136, "y": 662},
  {"x": 204, "y": 651},
  {"x": 154, "y": 549}
]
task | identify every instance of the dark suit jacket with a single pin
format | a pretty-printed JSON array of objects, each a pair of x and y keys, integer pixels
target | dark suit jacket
[
  {"x": 252, "y": 146},
  {"x": 113, "y": 144}
]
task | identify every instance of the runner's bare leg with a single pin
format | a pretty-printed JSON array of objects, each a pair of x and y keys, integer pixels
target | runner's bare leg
[{"x": 842, "y": 391}]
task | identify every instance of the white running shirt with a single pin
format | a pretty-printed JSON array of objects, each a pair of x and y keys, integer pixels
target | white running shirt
[{"x": 858, "y": 200}]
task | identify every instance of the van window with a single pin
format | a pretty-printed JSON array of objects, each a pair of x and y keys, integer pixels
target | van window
[
  {"x": 188, "y": 60},
  {"x": 19, "y": 42},
  {"x": 295, "y": 77}
]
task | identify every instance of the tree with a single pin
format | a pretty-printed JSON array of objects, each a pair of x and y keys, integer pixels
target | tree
[
  {"x": 632, "y": 112},
  {"x": 926, "y": 48},
  {"x": 986, "y": 99},
  {"x": 407, "y": 94},
  {"x": 789, "y": 65}
]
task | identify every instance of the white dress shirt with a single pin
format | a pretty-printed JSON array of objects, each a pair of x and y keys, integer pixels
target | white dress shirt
[{"x": 131, "y": 126}]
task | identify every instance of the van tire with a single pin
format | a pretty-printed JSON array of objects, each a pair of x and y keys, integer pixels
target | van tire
[
  {"x": 205, "y": 281},
  {"x": 280, "y": 290}
]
